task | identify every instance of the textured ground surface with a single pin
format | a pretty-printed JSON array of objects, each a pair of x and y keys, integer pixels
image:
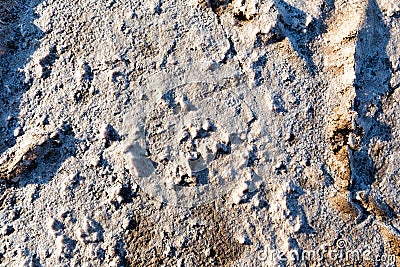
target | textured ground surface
[{"x": 199, "y": 133}]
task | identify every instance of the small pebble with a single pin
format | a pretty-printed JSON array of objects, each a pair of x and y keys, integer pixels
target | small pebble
[
  {"x": 194, "y": 131},
  {"x": 184, "y": 135},
  {"x": 60, "y": 244},
  {"x": 54, "y": 135},
  {"x": 236, "y": 197},
  {"x": 241, "y": 239},
  {"x": 7, "y": 230},
  {"x": 207, "y": 126},
  {"x": 126, "y": 223},
  {"x": 185, "y": 104},
  {"x": 96, "y": 161},
  {"x": 17, "y": 132}
]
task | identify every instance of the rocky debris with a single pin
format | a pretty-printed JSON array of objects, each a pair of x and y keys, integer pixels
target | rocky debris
[{"x": 22, "y": 157}]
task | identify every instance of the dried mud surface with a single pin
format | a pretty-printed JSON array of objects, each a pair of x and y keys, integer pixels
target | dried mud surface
[{"x": 199, "y": 133}]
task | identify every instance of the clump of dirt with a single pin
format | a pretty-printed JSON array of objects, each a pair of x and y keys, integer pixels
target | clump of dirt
[
  {"x": 210, "y": 242},
  {"x": 217, "y": 6}
]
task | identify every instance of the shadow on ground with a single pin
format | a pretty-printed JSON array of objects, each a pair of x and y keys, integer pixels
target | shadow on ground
[
  {"x": 292, "y": 24},
  {"x": 373, "y": 74},
  {"x": 19, "y": 39}
]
